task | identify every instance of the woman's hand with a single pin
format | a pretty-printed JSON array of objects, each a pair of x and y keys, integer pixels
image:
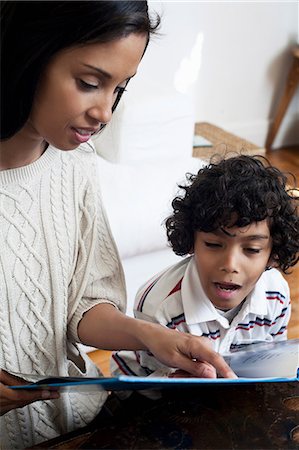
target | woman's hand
[
  {"x": 205, "y": 371},
  {"x": 11, "y": 399},
  {"x": 191, "y": 354},
  {"x": 103, "y": 326}
]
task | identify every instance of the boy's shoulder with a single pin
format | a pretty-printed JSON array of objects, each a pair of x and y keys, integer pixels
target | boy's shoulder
[
  {"x": 273, "y": 282},
  {"x": 274, "y": 276},
  {"x": 157, "y": 289}
]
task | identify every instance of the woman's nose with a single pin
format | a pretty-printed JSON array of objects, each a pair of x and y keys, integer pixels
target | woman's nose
[{"x": 101, "y": 110}]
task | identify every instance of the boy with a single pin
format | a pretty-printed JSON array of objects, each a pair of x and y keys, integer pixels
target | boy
[{"x": 240, "y": 224}]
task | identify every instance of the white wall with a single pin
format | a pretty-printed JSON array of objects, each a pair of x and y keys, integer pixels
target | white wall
[{"x": 230, "y": 58}]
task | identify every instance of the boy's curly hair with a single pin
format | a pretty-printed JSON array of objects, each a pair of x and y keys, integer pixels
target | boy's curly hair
[{"x": 245, "y": 187}]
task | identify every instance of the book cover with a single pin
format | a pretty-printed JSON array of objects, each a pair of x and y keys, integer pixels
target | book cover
[{"x": 261, "y": 362}]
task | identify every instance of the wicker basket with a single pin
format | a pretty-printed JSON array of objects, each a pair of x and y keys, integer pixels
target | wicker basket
[{"x": 224, "y": 143}]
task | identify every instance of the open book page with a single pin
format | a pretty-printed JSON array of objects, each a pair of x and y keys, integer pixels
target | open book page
[{"x": 266, "y": 359}]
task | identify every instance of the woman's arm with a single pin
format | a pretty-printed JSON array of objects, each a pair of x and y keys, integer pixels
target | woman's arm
[{"x": 103, "y": 326}]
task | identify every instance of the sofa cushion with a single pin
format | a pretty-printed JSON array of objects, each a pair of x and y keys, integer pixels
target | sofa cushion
[
  {"x": 148, "y": 127},
  {"x": 137, "y": 198}
]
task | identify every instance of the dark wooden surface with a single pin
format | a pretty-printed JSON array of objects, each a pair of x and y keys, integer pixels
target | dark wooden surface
[{"x": 259, "y": 416}]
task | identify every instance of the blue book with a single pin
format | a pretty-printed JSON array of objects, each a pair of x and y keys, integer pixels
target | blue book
[{"x": 266, "y": 362}]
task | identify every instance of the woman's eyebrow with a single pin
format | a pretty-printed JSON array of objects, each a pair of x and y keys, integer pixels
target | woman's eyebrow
[
  {"x": 99, "y": 70},
  {"x": 104, "y": 73}
]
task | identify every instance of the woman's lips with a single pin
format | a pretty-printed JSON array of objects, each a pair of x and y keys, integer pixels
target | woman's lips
[{"x": 81, "y": 135}]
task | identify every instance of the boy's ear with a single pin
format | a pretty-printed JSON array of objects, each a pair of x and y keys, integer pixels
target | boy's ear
[{"x": 272, "y": 262}]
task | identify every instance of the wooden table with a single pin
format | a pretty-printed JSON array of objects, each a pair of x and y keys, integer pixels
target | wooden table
[{"x": 243, "y": 416}]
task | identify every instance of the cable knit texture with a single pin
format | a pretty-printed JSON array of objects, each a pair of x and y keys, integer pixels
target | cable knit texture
[{"x": 58, "y": 259}]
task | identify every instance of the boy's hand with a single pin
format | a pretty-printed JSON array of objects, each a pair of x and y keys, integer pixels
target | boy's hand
[{"x": 11, "y": 399}]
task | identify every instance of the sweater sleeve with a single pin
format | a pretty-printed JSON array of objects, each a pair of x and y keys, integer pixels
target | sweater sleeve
[{"x": 98, "y": 275}]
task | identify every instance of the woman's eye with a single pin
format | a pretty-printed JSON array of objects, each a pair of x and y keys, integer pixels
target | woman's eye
[
  {"x": 87, "y": 86},
  {"x": 120, "y": 90}
]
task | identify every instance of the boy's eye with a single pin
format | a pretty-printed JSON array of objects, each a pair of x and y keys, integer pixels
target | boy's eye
[
  {"x": 253, "y": 250},
  {"x": 212, "y": 244}
]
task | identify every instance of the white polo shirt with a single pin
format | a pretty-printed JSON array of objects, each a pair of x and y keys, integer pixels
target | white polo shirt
[{"x": 175, "y": 298}]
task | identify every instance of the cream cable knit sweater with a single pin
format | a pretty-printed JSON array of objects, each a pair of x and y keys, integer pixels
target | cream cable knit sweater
[{"x": 57, "y": 260}]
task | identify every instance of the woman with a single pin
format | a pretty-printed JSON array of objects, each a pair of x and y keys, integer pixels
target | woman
[{"x": 65, "y": 66}]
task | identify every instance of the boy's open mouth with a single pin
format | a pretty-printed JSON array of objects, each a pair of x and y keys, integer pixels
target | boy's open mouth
[{"x": 227, "y": 287}]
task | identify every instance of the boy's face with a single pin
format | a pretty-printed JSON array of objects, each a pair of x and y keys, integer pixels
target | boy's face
[{"x": 231, "y": 260}]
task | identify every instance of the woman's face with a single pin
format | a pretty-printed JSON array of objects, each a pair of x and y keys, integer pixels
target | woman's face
[{"x": 78, "y": 88}]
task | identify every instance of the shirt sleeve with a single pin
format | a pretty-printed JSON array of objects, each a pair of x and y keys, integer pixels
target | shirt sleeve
[
  {"x": 98, "y": 275},
  {"x": 283, "y": 313}
]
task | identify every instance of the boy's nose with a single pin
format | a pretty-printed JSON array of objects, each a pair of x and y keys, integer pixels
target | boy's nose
[{"x": 229, "y": 264}]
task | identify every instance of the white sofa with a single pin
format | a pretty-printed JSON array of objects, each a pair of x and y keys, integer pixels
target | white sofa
[
  {"x": 137, "y": 199},
  {"x": 143, "y": 154}
]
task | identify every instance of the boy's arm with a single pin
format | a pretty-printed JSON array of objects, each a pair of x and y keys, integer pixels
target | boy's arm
[{"x": 105, "y": 327}]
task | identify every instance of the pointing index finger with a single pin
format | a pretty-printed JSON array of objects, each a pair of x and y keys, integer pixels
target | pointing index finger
[{"x": 207, "y": 354}]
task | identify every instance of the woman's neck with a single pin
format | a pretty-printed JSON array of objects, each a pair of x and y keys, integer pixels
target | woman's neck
[{"x": 20, "y": 150}]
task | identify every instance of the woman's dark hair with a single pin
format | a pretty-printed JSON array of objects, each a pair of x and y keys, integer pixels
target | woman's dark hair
[
  {"x": 243, "y": 189},
  {"x": 32, "y": 32}
]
